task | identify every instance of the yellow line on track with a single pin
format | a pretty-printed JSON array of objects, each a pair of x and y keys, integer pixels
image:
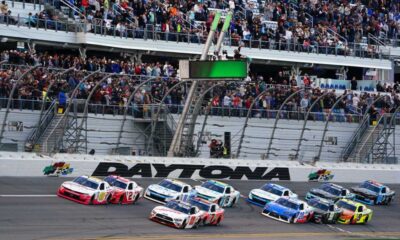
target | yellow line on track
[{"x": 248, "y": 235}]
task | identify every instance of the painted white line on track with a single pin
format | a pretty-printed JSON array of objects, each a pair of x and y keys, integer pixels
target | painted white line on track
[{"x": 28, "y": 195}]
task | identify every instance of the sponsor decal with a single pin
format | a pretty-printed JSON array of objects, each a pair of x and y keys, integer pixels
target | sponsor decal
[
  {"x": 189, "y": 171},
  {"x": 57, "y": 169},
  {"x": 322, "y": 175}
]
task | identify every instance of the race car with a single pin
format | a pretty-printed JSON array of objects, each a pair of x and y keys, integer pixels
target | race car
[
  {"x": 167, "y": 190},
  {"x": 324, "y": 211},
  {"x": 177, "y": 214},
  {"x": 125, "y": 191},
  {"x": 217, "y": 192},
  {"x": 373, "y": 193},
  {"x": 289, "y": 210},
  {"x": 213, "y": 214},
  {"x": 86, "y": 190},
  {"x": 267, "y": 193},
  {"x": 353, "y": 212},
  {"x": 330, "y": 191}
]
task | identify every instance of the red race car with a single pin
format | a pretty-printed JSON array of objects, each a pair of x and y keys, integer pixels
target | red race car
[
  {"x": 86, "y": 190},
  {"x": 213, "y": 214},
  {"x": 125, "y": 191}
]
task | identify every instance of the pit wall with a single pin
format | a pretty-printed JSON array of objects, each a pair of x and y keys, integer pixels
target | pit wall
[{"x": 72, "y": 165}]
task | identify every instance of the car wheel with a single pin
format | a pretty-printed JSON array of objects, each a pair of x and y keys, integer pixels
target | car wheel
[
  {"x": 183, "y": 224},
  {"x": 351, "y": 220},
  {"x": 218, "y": 221},
  {"x": 234, "y": 201},
  {"x": 291, "y": 220},
  {"x": 197, "y": 224},
  {"x": 136, "y": 199},
  {"x": 389, "y": 201},
  {"x": 121, "y": 199},
  {"x": 91, "y": 200},
  {"x": 108, "y": 201},
  {"x": 366, "y": 220}
]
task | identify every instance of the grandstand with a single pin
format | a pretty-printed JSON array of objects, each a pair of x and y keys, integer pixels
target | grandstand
[{"x": 103, "y": 76}]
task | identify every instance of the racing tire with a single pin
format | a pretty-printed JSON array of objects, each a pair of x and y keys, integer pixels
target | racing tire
[
  {"x": 183, "y": 224},
  {"x": 136, "y": 199},
  {"x": 197, "y": 224},
  {"x": 351, "y": 220},
  {"x": 234, "y": 202},
  {"x": 291, "y": 220},
  {"x": 389, "y": 201},
  {"x": 91, "y": 200},
  {"x": 108, "y": 201},
  {"x": 366, "y": 220},
  {"x": 218, "y": 221},
  {"x": 121, "y": 199}
]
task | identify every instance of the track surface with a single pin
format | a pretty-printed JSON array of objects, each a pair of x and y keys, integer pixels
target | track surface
[{"x": 44, "y": 216}]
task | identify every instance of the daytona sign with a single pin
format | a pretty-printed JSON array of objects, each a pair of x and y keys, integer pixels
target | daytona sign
[{"x": 191, "y": 171}]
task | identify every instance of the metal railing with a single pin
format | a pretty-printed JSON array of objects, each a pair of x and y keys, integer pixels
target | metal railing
[
  {"x": 39, "y": 130},
  {"x": 356, "y": 138},
  {"x": 351, "y": 49}
]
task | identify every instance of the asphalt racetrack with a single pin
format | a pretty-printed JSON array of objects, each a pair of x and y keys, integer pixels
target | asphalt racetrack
[{"x": 29, "y": 209}]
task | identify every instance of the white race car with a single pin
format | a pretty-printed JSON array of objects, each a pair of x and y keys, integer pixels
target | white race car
[
  {"x": 217, "y": 192},
  {"x": 177, "y": 214},
  {"x": 167, "y": 190},
  {"x": 269, "y": 192}
]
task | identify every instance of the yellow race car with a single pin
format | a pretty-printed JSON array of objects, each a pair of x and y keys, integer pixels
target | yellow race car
[{"x": 353, "y": 212}]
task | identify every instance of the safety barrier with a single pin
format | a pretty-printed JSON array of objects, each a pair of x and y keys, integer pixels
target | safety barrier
[{"x": 31, "y": 165}]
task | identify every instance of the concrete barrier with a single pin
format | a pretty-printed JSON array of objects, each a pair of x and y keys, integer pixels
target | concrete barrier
[{"x": 32, "y": 165}]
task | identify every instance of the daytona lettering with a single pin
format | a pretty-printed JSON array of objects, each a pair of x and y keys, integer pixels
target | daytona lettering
[{"x": 188, "y": 171}]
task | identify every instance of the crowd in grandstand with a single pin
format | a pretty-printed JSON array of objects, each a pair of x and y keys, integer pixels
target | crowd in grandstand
[
  {"x": 315, "y": 26},
  {"x": 232, "y": 98}
]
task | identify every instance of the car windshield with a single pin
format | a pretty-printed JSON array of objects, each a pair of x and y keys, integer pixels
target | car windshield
[
  {"x": 114, "y": 182},
  {"x": 86, "y": 182},
  {"x": 178, "y": 207},
  {"x": 202, "y": 206},
  {"x": 287, "y": 203},
  {"x": 331, "y": 190},
  {"x": 345, "y": 205},
  {"x": 212, "y": 186},
  {"x": 370, "y": 186},
  {"x": 170, "y": 185},
  {"x": 319, "y": 205},
  {"x": 270, "y": 188}
]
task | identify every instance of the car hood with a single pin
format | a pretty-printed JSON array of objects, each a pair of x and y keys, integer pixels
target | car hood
[
  {"x": 364, "y": 191},
  {"x": 162, "y": 190},
  {"x": 264, "y": 194},
  {"x": 282, "y": 210},
  {"x": 208, "y": 192},
  {"x": 169, "y": 212},
  {"x": 78, "y": 188}
]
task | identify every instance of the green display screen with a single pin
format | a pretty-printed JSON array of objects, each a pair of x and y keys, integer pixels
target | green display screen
[{"x": 217, "y": 69}]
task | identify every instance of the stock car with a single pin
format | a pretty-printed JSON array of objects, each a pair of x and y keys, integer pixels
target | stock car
[
  {"x": 324, "y": 211},
  {"x": 177, "y": 214},
  {"x": 86, "y": 190},
  {"x": 353, "y": 212},
  {"x": 289, "y": 210},
  {"x": 373, "y": 193},
  {"x": 330, "y": 191},
  {"x": 269, "y": 192},
  {"x": 125, "y": 191},
  {"x": 166, "y": 190},
  {"x": 217, "y": 192},
  {"x": 213, "y": 214}
]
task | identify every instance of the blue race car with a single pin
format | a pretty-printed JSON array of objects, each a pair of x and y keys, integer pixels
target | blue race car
[
  {"x": 288, "y": 210},
  {"x": 269, "y": 192},
  {"x": 373, "y": 193}
]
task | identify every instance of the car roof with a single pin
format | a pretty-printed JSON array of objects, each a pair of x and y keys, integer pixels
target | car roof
[
  {"x": 95, "y": 179},
  {"x": 352, "y": 202},
  {"x": 203, "y": 201},
  {"x": 332, "y": 185},
  {"x": 222, "y": 184},
  {"x": 279, "y": 187},
  {"x": 181, "y": 203},
  {"x": 176, "y": 182},
  {"x": 292, "y": 200},
  {"x": 375, "y": 183},
  {"x": 321, "y": 200},
  {"x": 122, "y": 179}
]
